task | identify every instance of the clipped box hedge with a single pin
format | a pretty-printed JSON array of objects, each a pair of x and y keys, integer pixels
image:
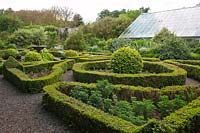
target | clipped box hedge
[
  {"x": 163, "y": 74},
  {"x": 192, "y": 67},
  {"x": 184, "y": 120},
  {"x": 89, "y": 119},
  {"x": 83, "y": 116},
  {"x": 17, "y": 75}
]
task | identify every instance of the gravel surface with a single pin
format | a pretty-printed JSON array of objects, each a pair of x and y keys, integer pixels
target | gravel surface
[
  {"x": 23, "y": 113},
  {"x": 190, "y": 81},
  {"x": 68, "y": 76}
]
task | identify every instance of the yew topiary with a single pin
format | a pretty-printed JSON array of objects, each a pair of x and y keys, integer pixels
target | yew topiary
[{"x": 126, "y": 60}]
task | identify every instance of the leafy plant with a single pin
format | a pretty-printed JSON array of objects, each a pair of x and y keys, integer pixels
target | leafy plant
[
  {"x": 10, "y": 52},
  {"x": 143, "y": 108},
  {"x": 46, "y": 56},
  {"x": 96, "y": 99},
  {"x": 80, "y": 94},
  {"x": 126, "y": 60},
  {"x": 75, "y": 41},
  {"x": 167, "y": 106},
  {"x": 118, "y": 43},
  {"x": 104, "y": 87},
  {"x": 107, "y": 104},
  {"x": 171, "y": 46},
  {"x": 32, "y": 56},
  {"x": 70, "y": 53}
]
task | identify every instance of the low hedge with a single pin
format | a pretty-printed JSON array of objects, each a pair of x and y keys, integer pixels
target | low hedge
[
  {"x": 184, "y": 120},
  {"x": 23, "y": 82},
  {"x": 193, "y": 71},
  {"x": 191, "y": 62},
  {"x": 83, "y": 116},
  {"x": 1, "y": 67},
  {"x": 90, "y": 58},
  {"x": 90, "y": 119},
  {"x": 165, "y": 74}
]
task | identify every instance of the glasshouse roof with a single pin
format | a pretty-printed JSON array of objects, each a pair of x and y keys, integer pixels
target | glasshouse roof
[{"x": 184, "y": 22}]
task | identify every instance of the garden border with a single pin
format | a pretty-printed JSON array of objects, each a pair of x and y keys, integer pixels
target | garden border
[
  {"x": 193, "y": 71},
  {"x": 89, "y": 118},
  {"x": 176, "y": 75},
  {"x": 17, "y": 76}
]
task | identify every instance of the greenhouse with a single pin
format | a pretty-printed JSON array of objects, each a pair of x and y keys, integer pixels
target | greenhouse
[{"x": 183, "y": 22}]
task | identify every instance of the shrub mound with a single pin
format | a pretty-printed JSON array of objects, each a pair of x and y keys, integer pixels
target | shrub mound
[
  {"x": 32, "y": 56},
  {"x": 10, "y": 52},
  {"x": 160, "y": 75},
  {"x": 70, "y": 53},
  {"x": 126, "y": 60}
]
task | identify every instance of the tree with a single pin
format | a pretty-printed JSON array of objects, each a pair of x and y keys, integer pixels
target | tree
[
  {"x": 75, "y": 41},
  {"x": 9, "y": 24},
  {"x": 77, "y": 20},
  {"x": 63, "y": 13},
  {"x": 144, "y": 10},
  {"x": 104, "y": 13}
]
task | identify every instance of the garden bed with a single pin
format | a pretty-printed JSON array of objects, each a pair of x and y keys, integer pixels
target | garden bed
[
  {"x": 161, "y": 74},
  {"x": 15, "y": 72},
  {"x": 57, "y": 99}
]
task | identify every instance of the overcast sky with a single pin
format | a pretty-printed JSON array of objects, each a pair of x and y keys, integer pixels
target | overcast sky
[{"x": 90, "y": 8}]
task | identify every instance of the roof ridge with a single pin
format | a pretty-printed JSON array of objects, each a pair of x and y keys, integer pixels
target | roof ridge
[{"x": 172, "y": 10}]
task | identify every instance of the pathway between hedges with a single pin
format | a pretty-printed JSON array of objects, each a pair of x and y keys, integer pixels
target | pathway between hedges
[{"x": 23, "y": 113}]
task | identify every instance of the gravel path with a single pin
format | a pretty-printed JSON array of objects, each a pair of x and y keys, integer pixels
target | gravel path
[
  {"x": 68, "y": 76},
  {"x": 23, "y": 113},
  {"x": 190, "y": 81}
]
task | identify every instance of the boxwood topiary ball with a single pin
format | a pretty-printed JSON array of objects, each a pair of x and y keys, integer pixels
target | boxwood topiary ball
[{"x": 126, "y": 60}]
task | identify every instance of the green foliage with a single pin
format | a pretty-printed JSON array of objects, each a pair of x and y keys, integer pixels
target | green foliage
[
  {"x": 75, "y": 41},
  {"x": 52, "y": 35},
  {"x": 10, "y": 52},
  {"x": 15, "y": 73},
  {"x": 27, "y": 36},
  {"x": 107, "y": 104},
  {"x": 118, "y": 43},
  {"x": 70, "y": 53},
  {"x": 105, "y": 88},
  {"x": 124, "y": 110},
  {"x": 163, "y": 35},
  {"x": 126, "y": 60},
  {"x": 2, "y": 45},
  {"x": 162, "y": 74},
  {"x": 143, "y": 108},
  {"x": 80, "y": 94},
  {"x": 46, "y": 56},
  {"x": 172, "y": 47},
  {"x": 9, "y": 24},
  {"x": 167, "y": 106},
  {"x": 32, "y": 56},
  {"x": 96, "y": 99}
]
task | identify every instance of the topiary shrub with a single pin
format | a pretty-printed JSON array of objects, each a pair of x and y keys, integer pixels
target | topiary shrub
[
  {"x": 126, "y": 60},
  {"x": 32, "y": 56},
  {"x": 10, "y": 52},
  {"x": 70, "y": 53}
]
